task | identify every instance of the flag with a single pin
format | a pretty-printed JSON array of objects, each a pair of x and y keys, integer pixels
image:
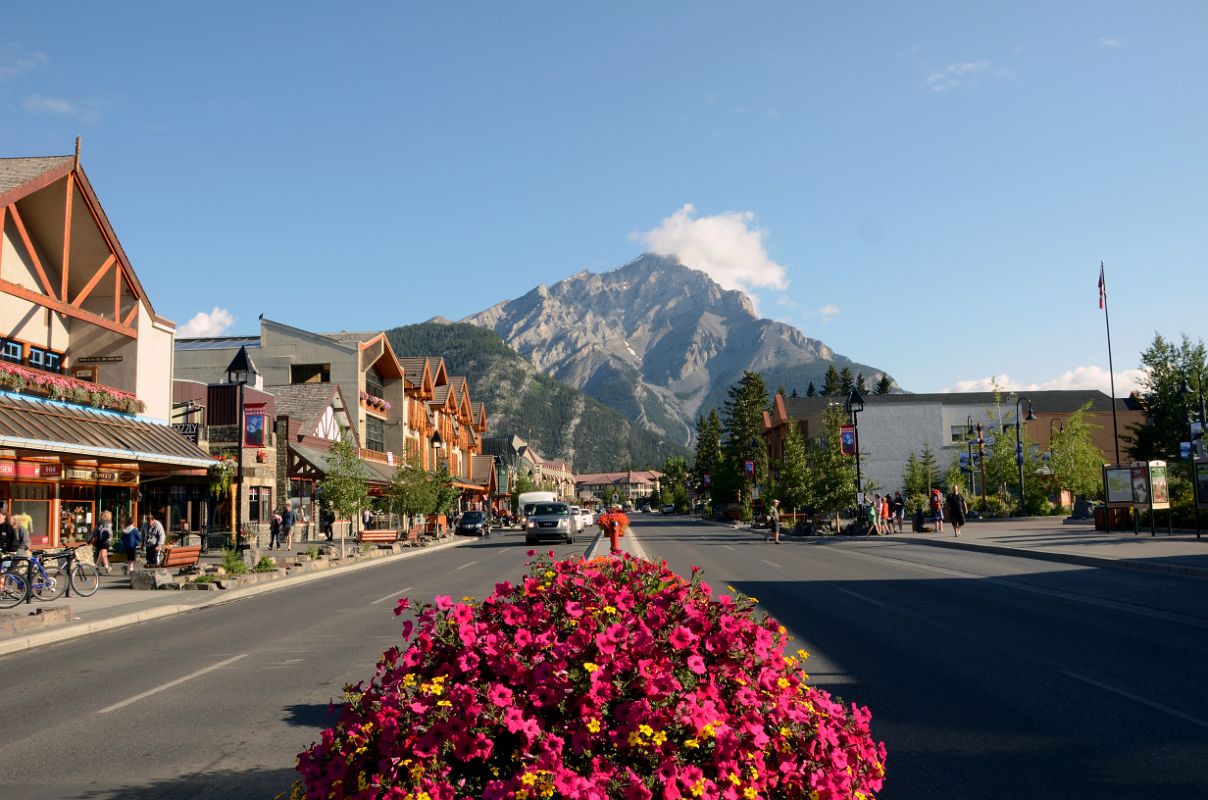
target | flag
[{"x": 1102, "y": 287}]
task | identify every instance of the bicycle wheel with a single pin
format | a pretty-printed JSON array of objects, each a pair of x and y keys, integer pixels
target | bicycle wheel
[
  {"x": 49, "y": 586},
  {"x": 12, "y": 589},
  {"x": 85, "y": 579}
]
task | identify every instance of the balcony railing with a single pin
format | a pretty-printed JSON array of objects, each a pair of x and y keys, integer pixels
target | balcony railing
[{"x": 24, "y": 380}]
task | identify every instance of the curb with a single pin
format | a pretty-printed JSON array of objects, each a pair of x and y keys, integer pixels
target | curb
[{"x": 64, "y": 633}]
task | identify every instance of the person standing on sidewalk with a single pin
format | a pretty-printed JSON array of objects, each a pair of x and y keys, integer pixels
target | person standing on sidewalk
[
  {"x": 101, "y": 540},
  {"x": 274, "y": 530},
  {"x": 937, "y": 510},
  {"x": 131, "y": 538},
  {"x": 773, "y": 523},
  {"x": 898, "y": 506},
  {"x": 287, "y": 527},
  {"x": 957, "y": 509},
  {"x": 154, "y": 540}
]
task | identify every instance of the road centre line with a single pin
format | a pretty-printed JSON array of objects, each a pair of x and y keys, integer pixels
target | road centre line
[
  {"x": 772, "y": 563},
  {"x": 399, "y": 593},
  {"x": 468, "y": 564},
  {"x": 861, "y": 597},
  {"x": 1174, "y": 712},
  {"x": 170, "y": 684}
]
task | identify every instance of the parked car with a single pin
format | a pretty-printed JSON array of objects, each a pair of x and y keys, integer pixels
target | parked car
[
  {"x": 589, "y": 519},
  {"x": 474, "y": 523},
  {"x": 668, "y": 509},
  {"x": 550, "y": 521},
  {"x": 576, "y": 515}
]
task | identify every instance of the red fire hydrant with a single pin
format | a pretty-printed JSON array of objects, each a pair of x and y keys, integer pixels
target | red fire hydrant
[{"x": 614, "y": 524}]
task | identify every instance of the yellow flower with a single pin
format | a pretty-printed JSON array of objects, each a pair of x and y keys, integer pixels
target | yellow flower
[
  {"x": 753, "y": 773},
  {"x": 785, "y": 731},
  {"x": 593, "y": 725},
  {"x": 634, "y": 739},
  {"x": 444, "y": 703},
  {"x": 610, "y": 609},
  {"x": 782, "y": 682},
  {"x": 659, "y": 737},
  {"x": 750, "y": 793},
  {"x": 691, "y": 743},
  {"x": 590, "y": 667},
  {"x": 801, "y": 654},
  {"x": 528, "y": 779},
  {"x": 698, "y": 788},
  {"x": 645, "y": 730},
  {"x": 708, "y": 731},
  {"x": 734, "y": 778}
]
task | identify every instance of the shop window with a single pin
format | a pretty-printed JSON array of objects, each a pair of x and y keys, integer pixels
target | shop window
[
  {"x": 373, "y": 383},
  {"x": 375, "y": 435},
  {"x": 260, "y": 503},
  {"x": 35, "y": 357},
  {"x": 54, "y": 362}
]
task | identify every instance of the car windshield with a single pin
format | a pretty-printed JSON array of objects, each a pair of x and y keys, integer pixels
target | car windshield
[
  {"x": 472, "y": 516},
  {"x": 550, "y": 508}
]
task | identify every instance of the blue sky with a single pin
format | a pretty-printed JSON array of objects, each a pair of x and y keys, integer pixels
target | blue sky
[{"x": 928, "y": 189}]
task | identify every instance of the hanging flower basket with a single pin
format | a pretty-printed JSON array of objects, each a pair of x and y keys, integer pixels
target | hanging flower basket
[
  {"x": 611, "y": 678},
  {"x": 20, "y": 379}
]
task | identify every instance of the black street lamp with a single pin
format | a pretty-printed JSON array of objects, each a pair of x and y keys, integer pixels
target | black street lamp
[
  {"x": 969, "y": 445},
  {"x": 1019, "y": 448},
  {"x": 853, "y": 406},
  {"x": 1195, "y": 483},
  {"x": 981, "y": 462}
]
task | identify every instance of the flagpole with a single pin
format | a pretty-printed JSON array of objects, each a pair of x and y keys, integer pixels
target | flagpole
[{"x": 1111, "y": 370}]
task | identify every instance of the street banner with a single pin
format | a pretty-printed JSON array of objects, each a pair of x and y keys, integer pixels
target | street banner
[
  {"x": 1201, "y": 484},
  {"x": 748, "y": 468},
  {"x": 847, "y": 440},
  {"x": 706, "y": 479}
]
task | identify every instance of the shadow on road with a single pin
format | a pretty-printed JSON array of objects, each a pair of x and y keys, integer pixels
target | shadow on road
[
  {"x": 262, "y": 784},
  {"x": 312, "y": 715}
]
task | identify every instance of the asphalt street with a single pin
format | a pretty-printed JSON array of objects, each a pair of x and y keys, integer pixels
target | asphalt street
[
  {"x": 217, "y": 703},
  {"x": 988, "y": 676}
]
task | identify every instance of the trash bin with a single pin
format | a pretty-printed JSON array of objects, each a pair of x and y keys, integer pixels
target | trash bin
[
  {"x": 1112, "y": 519},
  {"x": 916, "y": 522}
]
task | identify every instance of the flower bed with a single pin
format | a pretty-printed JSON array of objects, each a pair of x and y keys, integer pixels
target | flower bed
[
  {"x": 59, "y": 387},
  {"x": 611, "y": 678}
]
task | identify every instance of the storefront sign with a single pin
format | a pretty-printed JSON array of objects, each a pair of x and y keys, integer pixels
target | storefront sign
[
  {"x": 99, "y": 476},
  {"x": 29, "y": 469},
  {"x": 187, "y": 429},
  {"x": 98, "y": 360}
]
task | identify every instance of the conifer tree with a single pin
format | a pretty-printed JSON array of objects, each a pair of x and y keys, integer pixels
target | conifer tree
[
  {"x": 846, "y": 382},
  {"x": 810, "y": 391},
  {"x": 831, "y": 385},
  {"x": 708, "y": 460},
  {"x": 861, "y": 386},
  {"x": 742, "y": 436},
  {"x": 883, "y": 385}
]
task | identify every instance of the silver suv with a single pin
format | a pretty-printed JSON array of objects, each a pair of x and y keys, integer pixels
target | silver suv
[{"x": 550, "y": 521}]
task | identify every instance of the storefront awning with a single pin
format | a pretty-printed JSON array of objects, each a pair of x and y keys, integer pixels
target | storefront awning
[
  {"x": 45, "y": 427},
  {"x": 320, "y": 460}
]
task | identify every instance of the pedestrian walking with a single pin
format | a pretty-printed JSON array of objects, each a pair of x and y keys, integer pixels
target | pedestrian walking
[
  {"x": 773, "y": 523},
  {"x": 154, "y": 539},
  {"x": 101, "y": 539},
  {"x": 884, "y": 511},
  {"x": 899, "y": 511},
  {"x": 287, "y": 527},
  {"x": 130, "y": 541},
  {"x": 958, "y": 509},
  {"x": 329, "y": 523},
  {"x": 937, "y": 510},
  {"x": 8, "y": 534},
  {"x": 274, "y": 531}
]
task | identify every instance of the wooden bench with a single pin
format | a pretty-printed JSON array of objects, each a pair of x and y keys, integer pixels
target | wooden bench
[
  {"x": 413, "y": 536},
  {"x": 378, "y": 537},
  {"x": 183, "y": 556}
]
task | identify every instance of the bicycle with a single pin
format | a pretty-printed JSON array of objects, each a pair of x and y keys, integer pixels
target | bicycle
[
  {"x": 85, "y": 578},
  {"x": 12, "y": 589},
  {"x": 42, "y": 581}
]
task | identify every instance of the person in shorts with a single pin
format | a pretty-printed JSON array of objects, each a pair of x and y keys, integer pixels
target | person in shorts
[
  {"x": 898, "y": 506},
  {"x": 773, "y": 523}
]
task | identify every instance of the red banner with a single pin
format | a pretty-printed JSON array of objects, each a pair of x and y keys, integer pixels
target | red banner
[{"x": 847, "y": 440}]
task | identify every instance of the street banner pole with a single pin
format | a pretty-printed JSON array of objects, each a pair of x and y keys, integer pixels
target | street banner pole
[{"x": 1111, "y": 371}]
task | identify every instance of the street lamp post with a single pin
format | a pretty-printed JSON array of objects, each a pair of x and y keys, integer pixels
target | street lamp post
[
  {"x": 1019, "y": 448},
  {"x": 969, "y": 445},
  {"x": 854, "y": 405},
  {"x": 1195, "y": 484}
]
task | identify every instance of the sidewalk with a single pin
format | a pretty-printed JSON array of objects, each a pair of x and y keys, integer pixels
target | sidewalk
[
  {"x": 116, "y": 605},
  {"x": 1048, "y": 539}
]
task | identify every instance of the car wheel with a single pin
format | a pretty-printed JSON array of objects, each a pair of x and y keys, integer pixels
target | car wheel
[{"x": 529, "y": 540}]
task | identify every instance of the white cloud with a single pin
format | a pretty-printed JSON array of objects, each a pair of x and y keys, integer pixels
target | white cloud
[
  {"x": 215, "y": 323},
  {"x": 964, "y": 74},
  {"x": 1110, "y": 41},
  {"x": 827, "y": 312},
  {"x": 14, "y": 65},
  {"x": 725, "y": 246},
  {"x": 1092, "y": 377},
  {"x": 55, "y": 105}
]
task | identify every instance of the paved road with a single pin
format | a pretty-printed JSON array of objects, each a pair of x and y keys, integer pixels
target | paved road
[
  {"x": 988, "y": 676},
  {"x": 217, "y": 703}
]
